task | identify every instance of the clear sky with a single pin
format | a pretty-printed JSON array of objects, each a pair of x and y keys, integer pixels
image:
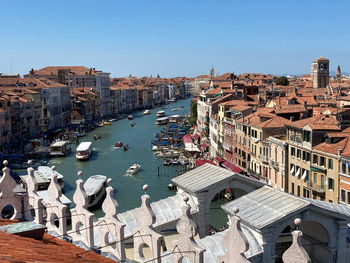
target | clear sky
[{"x": 174, "y": 37}]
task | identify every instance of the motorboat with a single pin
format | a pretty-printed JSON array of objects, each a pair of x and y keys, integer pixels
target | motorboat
[
  {"x": 132, "y": 124},
  {"x": 84, "y": 151},
  {"x": 161, "y": 113},
  {"x": 133, "y": 169},
  {"x": 112, "y": 120},
  {"x": 59, "y": 148},
  {"x": 107, "y": 123},
  {"x": 155, "y": 148},
  {"x": 175, "y": 161},
  {"x": 147, "y": 112},
  {"x": 43, "y": 177},
  {"x": 175, "y": 109},
  {"x": 162, "y": 121},
  {"x": 167, "y": 162},
  {"x": 97, "y": 137},
  {"x": 126, "y": 147},
  {"x": 172, "y": 100},
  {"x": 174, "y": 118},
  {"x": 99, "y": 124},
  {"x": 130, "y": 117},
  {"x": 95, "y": 189},
  {"x": 118, "y": 144}
]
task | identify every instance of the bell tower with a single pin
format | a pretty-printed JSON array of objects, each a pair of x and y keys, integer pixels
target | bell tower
[
  {"x": 320, "y": 73},
  {"x": 212, "y": 72}
]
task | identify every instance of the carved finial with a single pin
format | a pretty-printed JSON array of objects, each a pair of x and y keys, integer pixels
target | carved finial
[
  {"x": 110, "y": 205},
  {"x": 54, "y": 189},
  {"x": 80, "y": 197},
  {"x": 53, "y": 168},
  {"x": 5, "y": 163},
  {"x": 296, "y": 252},
  {"x": 80, "y": 174},
  {"x": 145, "y": 187},
  {"x": 30, "y": 162},
  {"x": 32, "y": 184},
  {"x": 186, "y": 199},
  {"x": 235, "y": 241}
]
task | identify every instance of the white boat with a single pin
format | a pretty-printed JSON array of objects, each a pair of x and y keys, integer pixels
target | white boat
[
  {"x": 175, "y": 109},
  {"x": 43, "y": 177},
  {"x": 146, "y": 112},
  {"x": 59, "y": 148},
  {"x": 95, "y": 189},
  {"x": 174, "y": 118},
  {"x": 172, "y": 100},
  {"x": 133, "y": 169},
  {"x": 161, "y": 113},
  {"x": 155, "y": 148},
  {"x": 175, "y": 161},
  {"x": 84, "y": 151},
  {"x": 162, "y": 121}
]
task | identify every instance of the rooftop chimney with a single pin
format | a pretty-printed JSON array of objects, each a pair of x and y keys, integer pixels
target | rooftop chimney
[{"x": 291, "y": 118}]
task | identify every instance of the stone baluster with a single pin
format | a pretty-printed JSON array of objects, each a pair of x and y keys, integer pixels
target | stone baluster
[
  {"x": 186, "y": 245},
  {"x": 7, "y": 195},
  {"x": 34, "y": 200},
  {"x": 296, "y": 252},
  {"x": 235, "y": 242},
  {"x": 82, "y": 219},
  {"x": 54, "y": 208},
  {"x": 145, "y": 233},
  {"x": 109, "y": 225}
]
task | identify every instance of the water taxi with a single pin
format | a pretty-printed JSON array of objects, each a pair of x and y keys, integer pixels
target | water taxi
[
  {"x": 174, "y": 118},
  {"x": 135, "y": 168},
  {"x": 95, "y": 189},
  {"x": 84, "y": 151},
  {"x": 147, "y": 112},
  {"x": 59, "y": 148},
  {"x": 162, "y": 121},
  {"x": 130, "y": 117},
  {"x": 161, "y": 113}
]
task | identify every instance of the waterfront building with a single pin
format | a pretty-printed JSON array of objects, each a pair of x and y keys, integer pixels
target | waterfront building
[
  {"x": 5, "y": 120},
  {"x": 320, "y": 73},
  {"x": 86, "y": 105},
  {"x": 278, "y": 162},
  {"x": 79, "y": 76},
  {"x": 200, "y": 81}
]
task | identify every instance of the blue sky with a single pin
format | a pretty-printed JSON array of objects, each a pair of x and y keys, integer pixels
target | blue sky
[{"x": 174, "y": 38}]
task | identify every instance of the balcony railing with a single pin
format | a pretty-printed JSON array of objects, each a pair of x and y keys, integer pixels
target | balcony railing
[
  {"x": 263, "y": 158},
  {"x": 315, "y": 187},
  {"x": 274, "y": 164}
]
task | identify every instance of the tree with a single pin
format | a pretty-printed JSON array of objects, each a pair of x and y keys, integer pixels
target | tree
[{"x": 282, "y": 81}]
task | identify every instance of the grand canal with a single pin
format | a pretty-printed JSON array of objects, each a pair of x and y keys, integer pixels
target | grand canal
[{"x": 113, "y": 162}]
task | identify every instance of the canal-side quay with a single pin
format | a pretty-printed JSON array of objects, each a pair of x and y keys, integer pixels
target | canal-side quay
[{"x": 113, "y": 162}]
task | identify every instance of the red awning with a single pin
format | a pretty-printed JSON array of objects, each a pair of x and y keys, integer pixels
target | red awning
[
  {"x": 196, "y": 136},
  {"x": 201, "y": 162},
  {"x": 218, "y": 159},
  {"x": 203, "y": 145},
  {"x": 232, "y": 167},
  {"x": 187, "y": 139}
]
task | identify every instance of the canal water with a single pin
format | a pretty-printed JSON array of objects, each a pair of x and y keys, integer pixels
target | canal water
[{"x": 113, "y": 162}]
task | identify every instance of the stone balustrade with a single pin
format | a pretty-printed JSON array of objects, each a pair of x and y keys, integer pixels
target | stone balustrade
[{"x": 112, "y": 230}]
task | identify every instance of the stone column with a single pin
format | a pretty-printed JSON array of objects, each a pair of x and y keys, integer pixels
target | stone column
[
  {"x": 341, "y": 237},
  {"x": 203, "y": 214}
]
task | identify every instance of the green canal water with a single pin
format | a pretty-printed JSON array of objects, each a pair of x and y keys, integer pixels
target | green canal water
[{"x": 113, "y": 162}]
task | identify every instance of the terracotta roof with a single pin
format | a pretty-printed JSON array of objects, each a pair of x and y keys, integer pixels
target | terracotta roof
[
  {"x": 343, "y": 145},
  {"x": 50, "y": 249},
  {"x": 320, "y": 122},
  {"x": 290, "y": 109}
]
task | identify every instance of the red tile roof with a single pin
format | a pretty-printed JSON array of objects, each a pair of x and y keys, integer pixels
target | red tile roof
[{"x": 14, "y": 248}]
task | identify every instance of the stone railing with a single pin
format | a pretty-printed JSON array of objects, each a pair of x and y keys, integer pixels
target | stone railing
[{"x": 111, "y": 230}]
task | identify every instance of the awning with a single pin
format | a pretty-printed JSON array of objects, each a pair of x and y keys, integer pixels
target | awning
[
  {"x": 218, "y": 159},
  {"x": 196, "y": 136},
  {"x": 201, "y": 162},
  {"x": 187, "y": 139},
  {"x": 232, "y": 167},
  {"x": 203, "y": 145}
]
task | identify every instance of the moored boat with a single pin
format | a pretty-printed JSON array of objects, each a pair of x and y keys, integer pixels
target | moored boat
[
  {"x": 133, "y": 169},
  {"x": 130, "y": 117},
  {"x": 43, "y": 177},
  {"x": 95, "y": 189},
  {"x": 175, "y": 161},
  {"x": 146, "y": 112},
  {"x": 59, "y": 148},
  {"x": 172, "y": 100},
  {"x": 107, "y": 123},
  {"x": 167, "y": 162},
  {"x": 84, "y": 151},
  {"x": 161, "y": 113}
]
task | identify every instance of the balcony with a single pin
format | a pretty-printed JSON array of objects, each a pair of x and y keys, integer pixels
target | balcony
[
  {"x": 274, "y": 164},
  {"x": 295, "y": 138},
  {"x": 253, "y": 173},
  {"x": 315, "y": 187},
  {"x": 264, "y": 158}
]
